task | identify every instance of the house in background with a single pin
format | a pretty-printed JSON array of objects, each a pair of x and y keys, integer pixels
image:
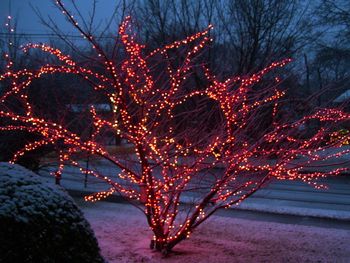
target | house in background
[
  {"x": 342, "y": 98},
  {"x": 99, "y": 107},
  {"x": 343, "y": 101},
  {"x": 81, "y": 121}
]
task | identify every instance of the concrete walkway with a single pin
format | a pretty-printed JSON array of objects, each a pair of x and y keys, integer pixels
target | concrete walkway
[
  {"x": 279, "y": 197},
  {"x": 297, "y": 198}
]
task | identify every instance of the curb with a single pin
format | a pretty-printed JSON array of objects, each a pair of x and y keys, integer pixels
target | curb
[{"x": 120, "y": 199}]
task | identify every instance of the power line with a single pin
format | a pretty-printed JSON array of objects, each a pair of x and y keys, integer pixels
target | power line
[{"x": 36, "y": 35}]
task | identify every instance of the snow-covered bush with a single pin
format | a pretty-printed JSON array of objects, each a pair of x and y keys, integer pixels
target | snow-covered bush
[{"x": 39, "y": 222}]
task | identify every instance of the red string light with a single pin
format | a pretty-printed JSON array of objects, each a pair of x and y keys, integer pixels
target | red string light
[{"x": 166, "y": 164}]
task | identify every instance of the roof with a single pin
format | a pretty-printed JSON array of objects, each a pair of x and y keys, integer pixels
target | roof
[
  {"x": 343, "y": 97},
  {"x": 99, "y": 107}
]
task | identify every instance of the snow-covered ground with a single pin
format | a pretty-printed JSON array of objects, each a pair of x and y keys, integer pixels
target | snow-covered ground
[{"x": 124, "y": 237}]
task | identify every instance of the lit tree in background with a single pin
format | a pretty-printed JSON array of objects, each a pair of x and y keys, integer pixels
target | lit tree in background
[{"x": 179, "y": 133}]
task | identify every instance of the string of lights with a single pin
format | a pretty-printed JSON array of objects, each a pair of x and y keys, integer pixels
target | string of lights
[{"x": 169, "y": 162}]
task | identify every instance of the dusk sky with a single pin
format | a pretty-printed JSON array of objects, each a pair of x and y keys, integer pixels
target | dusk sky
[{"x": 28, "y": 22}]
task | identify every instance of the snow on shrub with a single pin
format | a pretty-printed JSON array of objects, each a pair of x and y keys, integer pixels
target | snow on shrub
[{"x": 39, "y": 222}]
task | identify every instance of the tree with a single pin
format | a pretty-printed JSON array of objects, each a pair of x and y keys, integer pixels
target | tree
[
  {"x": 336, "y": 14},
  {"x": 249, "y": 35},
  {"x": 178, "y": 144},
  {"x": 330, "y": 72},
  {"x": 329, "y": 67},
  {"x": 13, "y": 58},
  {"x": 261, "y": 31}
]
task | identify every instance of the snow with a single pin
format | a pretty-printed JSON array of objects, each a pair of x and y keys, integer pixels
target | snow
[
  {"x": 37, "y": 218},
  {"x": 289, "y": 207},
  {"x": 24, "y": 194},
  {"x": 124, "y": 237}
]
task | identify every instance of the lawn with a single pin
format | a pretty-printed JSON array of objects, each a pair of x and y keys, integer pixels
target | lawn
[{"x": 124, "y": 237}]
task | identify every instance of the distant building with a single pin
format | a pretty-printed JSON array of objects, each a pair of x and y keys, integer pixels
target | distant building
[
  {"x": 343, "y": 100},
  {"x": 342, "y": 97},
  {"x": 99, "y": 107},
  {"x": 82, "y": 125}
]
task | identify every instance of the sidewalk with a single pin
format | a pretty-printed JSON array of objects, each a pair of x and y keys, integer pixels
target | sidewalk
[{"x": 279, "y": 197}]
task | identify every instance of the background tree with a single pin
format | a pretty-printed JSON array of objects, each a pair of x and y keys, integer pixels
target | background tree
[
  {"x": 330, "y": 67},
  {"x": 258, "y": 32},
  {"x": 10, "y": 43}
]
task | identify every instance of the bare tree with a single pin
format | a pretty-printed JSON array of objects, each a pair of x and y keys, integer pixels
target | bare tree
[
  {"x": 176, "y": 146},
  {"x": 259, "y": 31},
  {"x": 336, "y": 14},
  {"x": 330, "y": 66}
]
